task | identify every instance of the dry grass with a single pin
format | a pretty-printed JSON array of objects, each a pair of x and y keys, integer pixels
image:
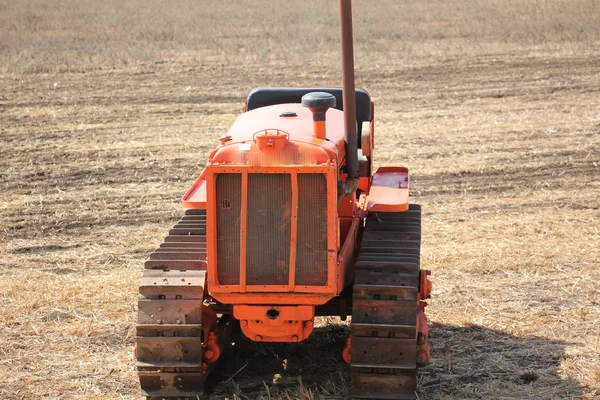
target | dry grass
[
  {"x": 72, "y": 36},
  {"x": 107, "y": 112}
]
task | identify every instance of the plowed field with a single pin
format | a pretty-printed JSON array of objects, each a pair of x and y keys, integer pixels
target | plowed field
[{"x": 109, "y": 109}]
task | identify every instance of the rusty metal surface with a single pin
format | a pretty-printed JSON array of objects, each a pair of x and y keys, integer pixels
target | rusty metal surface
[
  {"x": 195, "y": 211},
  {"x": 384, "y": 353},
  {"x": 311, "y": 245},
  {"x": 270, "y": 237},
  {"x": 381, "y": 277},
  {"x": 183, "y": 243},
  {"x": 384, "y": 386},
  {"x": 268, "y": 229},
  {"x": 171, "y": 311},
  {"x": 348, "y": 87},
  {"x": 188, "y": 255},
  {"x": 229, "y": 203},
  {"x": 384, "y": 316},
  {"x": 379, "y": 261},
  {"x": 173, "y": 385},
  {"x": 398, "y": 236},
  {"x": 173, "y": 352},
  {"x": 173, "y": 264},
  {"x": 169, "y": 334},
  {"x": 186, "y": 239}
]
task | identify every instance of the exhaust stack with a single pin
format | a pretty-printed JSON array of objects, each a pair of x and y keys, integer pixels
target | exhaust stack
[{"x": 349, "y": 96}]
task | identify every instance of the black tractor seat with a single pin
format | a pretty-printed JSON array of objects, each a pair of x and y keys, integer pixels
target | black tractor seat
[{"x": 269, "y": 96}]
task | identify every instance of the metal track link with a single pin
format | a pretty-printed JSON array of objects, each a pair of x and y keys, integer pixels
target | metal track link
[
  {"x": 169, "y": 327},
  {"x": 384, "y": 316}
]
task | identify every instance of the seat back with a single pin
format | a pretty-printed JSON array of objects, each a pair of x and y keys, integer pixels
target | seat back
[{"x": 269, "y": 96}]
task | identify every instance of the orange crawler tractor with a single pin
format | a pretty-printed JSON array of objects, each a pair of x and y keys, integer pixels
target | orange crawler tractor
[{"x": 288, "y": 222}]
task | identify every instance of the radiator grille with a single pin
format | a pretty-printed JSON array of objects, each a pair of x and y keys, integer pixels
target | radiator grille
[
  {"x": 268, "y": 229},
  {"x": 229, "y": 204},
  {"x": 311, "y": 247}
]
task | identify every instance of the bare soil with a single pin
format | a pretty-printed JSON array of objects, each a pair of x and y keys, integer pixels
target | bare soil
[{"x": 108, "y": 112}]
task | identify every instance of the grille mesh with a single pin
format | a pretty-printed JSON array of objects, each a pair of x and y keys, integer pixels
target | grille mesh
[
  {"x": 311, "y": 248},
  {"x": 229, "y": 202},
  {"x": 268, "y": 234},
  {"x": 268, "y": 229}
]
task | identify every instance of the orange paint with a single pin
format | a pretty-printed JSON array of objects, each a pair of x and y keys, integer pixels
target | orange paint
[
  {"x": 389, "y": 190},
  {"x": 218, "y": 290},
  {"x": 275, "y": 323},
  {"x": 263, "y": 143},
  {"x": 195, "y": 197},
  {"x": 319, "y": 129},
  {"x": 347, "y": 352},
  {"x": 423, "y": 349},
  {"x": 425, "y": 285}
]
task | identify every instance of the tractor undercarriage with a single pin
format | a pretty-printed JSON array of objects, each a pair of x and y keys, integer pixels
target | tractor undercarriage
[{"x": 180, "y": 335}]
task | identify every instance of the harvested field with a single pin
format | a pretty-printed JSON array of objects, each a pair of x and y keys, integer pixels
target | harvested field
[{"x": 109, "y": 109}]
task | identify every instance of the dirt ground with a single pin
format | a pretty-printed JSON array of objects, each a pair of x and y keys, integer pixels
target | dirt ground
[{"x": 107, "y": 113}]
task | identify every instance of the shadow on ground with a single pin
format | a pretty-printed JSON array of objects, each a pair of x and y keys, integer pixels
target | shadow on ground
[{"x": 469, "y": 362}]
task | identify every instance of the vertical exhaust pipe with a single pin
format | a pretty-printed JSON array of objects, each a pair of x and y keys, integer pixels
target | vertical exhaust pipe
[{"x": 349, "y": 96}]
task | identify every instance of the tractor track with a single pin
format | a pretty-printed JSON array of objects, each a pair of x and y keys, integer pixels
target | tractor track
[
  {"x": 170, "y": 333},
  {"x": 385, "y": 306}
]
